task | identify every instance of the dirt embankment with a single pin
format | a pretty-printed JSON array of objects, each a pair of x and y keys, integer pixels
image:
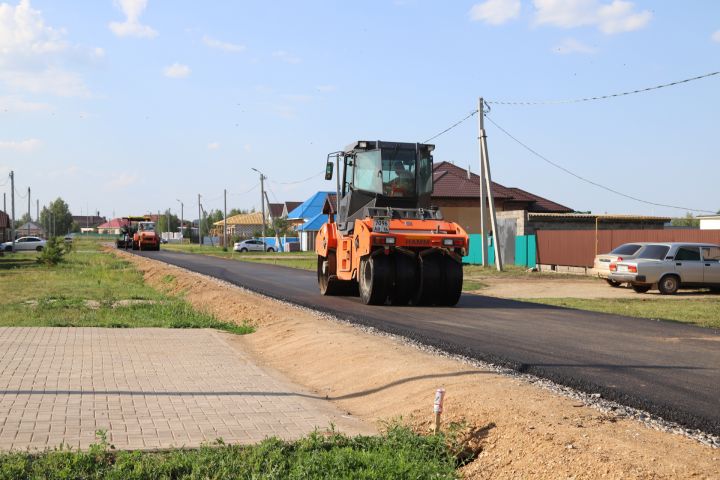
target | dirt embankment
[{"x": 523, "y": 431}]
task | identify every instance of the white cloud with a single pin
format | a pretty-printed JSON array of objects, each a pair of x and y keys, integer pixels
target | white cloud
[
  {"x": 177, "y": 71},
  {"x": 32, "y": 55},
  {"x": 495, "y": 12},
  {"x": 716, "y": 36},
  {"x": 122, "y": 182},
  {"x": 226, "y": 47},
  {"x": 279, "y": 53},
  {"x": 248, "y": 148},
  {"x": 297, "y": 98},
  {"x": 213, "y": 146},
  {"x": 131, "y": 26},
  {"x": 25, "y": 146},
  {"x": 326, "y": 88},
  {"x": 570, "y": 45},
  {"x": 14, "y": 103},
  {"x": 616, "y": 17}
]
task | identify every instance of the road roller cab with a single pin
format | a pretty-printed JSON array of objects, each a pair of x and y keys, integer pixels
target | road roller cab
[{"x": 388, "y": 242}]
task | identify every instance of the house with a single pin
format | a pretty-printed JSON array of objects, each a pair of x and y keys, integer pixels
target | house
[
  {"x": 30, "y": 229},
  {"x": 243, "y": 225},
  {"x": 289, "y": 207},
  {"x": 309, "y": 230},
  {"x": 87, "y": 221},
  {"x": 112, "y": 227},
  {"x": 709, "y": 222},
  {"x": 307, "y": 210},
  {"x": 457, "y": 192},
  {"x": 277, "y": 209}
]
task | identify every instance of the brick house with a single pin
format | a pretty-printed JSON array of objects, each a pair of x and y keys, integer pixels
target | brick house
[
  {"x": 457, "y": 193},
  {"x": 243, "y": 225}
]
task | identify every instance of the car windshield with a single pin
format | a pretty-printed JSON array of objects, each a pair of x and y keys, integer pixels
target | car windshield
[
  {"x": 654, "y": 252},
  {"x": 628, "y": 249}
]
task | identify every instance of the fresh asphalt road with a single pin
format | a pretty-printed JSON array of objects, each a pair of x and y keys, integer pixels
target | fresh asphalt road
[{"x": 668, "y": 369}]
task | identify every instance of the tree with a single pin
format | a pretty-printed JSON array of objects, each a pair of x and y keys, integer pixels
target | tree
[
  {"x": 211, "y": 217},
  {"x": 237, "y": 211},
  {"x": 688, "y": 221},
  {"x": 52, "y": 254},
  {"x": 63, "y": 217},
  {"x": 162, "y": 224},
  {"x": 23, "y": 219},
  {"x": 74, "y": 227},
  {"x": 282, "y": 224}
]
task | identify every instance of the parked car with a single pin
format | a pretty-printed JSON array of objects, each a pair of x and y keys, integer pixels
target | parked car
[
  {"x": 163, "y": 240},
  {"x": 68, "y": 240},
  {"x": 670, "y": 267},
  {"x": 624, "y": 252},
  {"x": 252, "y": 245},
  {"x": 25, "y": 244}
]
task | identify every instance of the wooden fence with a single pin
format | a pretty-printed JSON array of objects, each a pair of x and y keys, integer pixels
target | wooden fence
[{"x": 576, "y": 248}]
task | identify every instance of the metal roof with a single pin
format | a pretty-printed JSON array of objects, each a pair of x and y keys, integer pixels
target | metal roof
[{"x": 608, "y": 216}]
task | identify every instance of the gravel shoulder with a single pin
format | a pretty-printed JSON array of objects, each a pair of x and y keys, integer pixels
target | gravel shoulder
[{"x": 520, "y": 429}]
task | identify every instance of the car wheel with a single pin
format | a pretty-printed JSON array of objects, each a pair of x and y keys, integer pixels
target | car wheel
[
  {"x": 715, "y": 290},
  {"x": 613, "y": 283},
  {"x": 8, "y": 248},
  {"x": 641, "y": 288},
  {"x": 271, "y": 249},
  {"x": 38, "y": 249},
  {"x": 669, "y": 285},
  {"x": 243, "y": 250}
]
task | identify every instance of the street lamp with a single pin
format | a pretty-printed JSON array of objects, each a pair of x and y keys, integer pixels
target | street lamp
[
  {"x": 182, "y": 222},
  {"x": 262, "y": 202}
]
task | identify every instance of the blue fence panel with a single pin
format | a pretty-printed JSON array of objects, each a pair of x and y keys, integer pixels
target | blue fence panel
[
  {"x": 532, "y": 251},
  {"x": 475, "y": 254},
  {"x": 521, "y": 242}
]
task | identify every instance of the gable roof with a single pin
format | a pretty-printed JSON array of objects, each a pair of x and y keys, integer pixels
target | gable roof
[
  {"x": 310, "y": 207},
  {"x": 114, "y": 223},
  {"x": 4, "y": 220},
  {"x": 290, "y": 206},
  {"x": 313, "y": 224},
  {"x": 277, "y": 209},
  {"x": 451, "y": 181},
  {"x": 30, "y": 225},
  {"x": 330, "y": 204},
  {"x": 243, "y": 219}
]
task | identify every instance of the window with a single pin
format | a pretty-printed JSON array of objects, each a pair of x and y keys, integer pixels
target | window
[
  {"x": 22, "y": 240},
  {"x": 425, "y": 173},
  {"x": 628, "y": 249},
  {"x": 654, "y": 252},
  {"x": 398, "y": 173},
  {"x": 711, "y": 254},
  {"x": 690, "y": 254},
  {"x": 368, "y": 171}
]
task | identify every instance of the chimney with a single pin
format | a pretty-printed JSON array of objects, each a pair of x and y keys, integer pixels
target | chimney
[{"x": 468, "y": 172}]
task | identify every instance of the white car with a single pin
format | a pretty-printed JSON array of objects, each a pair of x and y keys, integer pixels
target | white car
[
  {"x": 68, "y": 240},
  {"x": 25, "y": 244},
  {"x": 624, "y": 252},
  {"x": 252, "y": 245}
]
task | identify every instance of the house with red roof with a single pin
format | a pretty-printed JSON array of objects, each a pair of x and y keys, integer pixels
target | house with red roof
[
  {"x": 113, "y": 226},
  {"x": 457, "y": 193}
]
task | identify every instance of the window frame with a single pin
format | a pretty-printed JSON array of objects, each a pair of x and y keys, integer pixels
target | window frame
[{"x": 688, "y": 247}]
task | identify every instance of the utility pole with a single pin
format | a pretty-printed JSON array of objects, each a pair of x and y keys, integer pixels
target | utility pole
[
  {"x": 37, "y": 215},
  {"x": 199, "y": 222},
  {"x": 182, "y": 224},
  {"x": 29, "y": 219},
  {"x": 168, "y": 223},
  {"x": 272, "y": 219},
  {"x": 12, "y": 202},
  {"x": 225, "y": 219},
  {"x": 262, "y": 204},
  {"x": 483, "y": 192},
  {"x": 488, "y": 181}
]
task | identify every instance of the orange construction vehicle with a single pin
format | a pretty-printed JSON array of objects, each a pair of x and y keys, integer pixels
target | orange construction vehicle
[
  {"x": 142, "y": 232},
  {"x": 388, "y": 241}
]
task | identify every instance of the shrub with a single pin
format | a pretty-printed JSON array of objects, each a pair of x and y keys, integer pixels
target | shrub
[{"x": 52, "y": 253}]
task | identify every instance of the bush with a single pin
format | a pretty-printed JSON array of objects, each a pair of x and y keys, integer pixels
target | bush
[
  {"x": 52, "y": 253},
  {"x": 68, "y": 247}
]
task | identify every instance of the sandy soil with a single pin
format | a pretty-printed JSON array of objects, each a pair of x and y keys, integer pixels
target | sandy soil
[
  {"x": 570, "y": 288},
  {"x": 520, "y": 430}
]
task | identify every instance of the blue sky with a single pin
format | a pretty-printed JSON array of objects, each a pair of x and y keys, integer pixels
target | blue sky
[{"x": 128, "y": 105}]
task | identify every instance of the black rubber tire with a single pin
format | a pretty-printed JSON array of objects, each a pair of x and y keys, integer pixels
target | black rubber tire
[
  {"x": 715, "y": 290},
  {"x": 613, "y": 283},
  {"x": 641, "y": 288},
  {"x": 39, "y": 249},
  {"x": 374, "y": 279},
  {"x": 8, "y": 249},
  {"x": 403, "y": 279},
  {"x": 270, "y": 249},
  {"x": 669, "y": 285},
  {"x": 325, "y": 286},
  {"x": 451, "y": 282},
  {"x": 428, "y": 281},
  {"x": 135, "y": 246},
  {"x": 243, "y": 250}
]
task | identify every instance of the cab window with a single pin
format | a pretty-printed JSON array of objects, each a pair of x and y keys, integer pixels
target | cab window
[
  {"x": 711, "y": 254},
  {"x": 398, "y": 173},
  {"x": 368, "y": 172},
  {"x": 425, "y": 173}
]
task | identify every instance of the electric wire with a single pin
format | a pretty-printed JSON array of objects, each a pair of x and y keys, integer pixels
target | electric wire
[
  {"x": 7, "y": 179},
  {"x": 589, "y": 181},
  {"x": 293, "y": 183},
  {"x": 606, "y": 96},
  {"x": 243, "y": 193},
  {"x": 458, "y": 123},
  {"x": 21, "y": 196}
]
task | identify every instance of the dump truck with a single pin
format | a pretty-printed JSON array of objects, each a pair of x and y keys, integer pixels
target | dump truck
[
  {"x": 139, "y": 234},
  {"x": 388, "y": 243}
]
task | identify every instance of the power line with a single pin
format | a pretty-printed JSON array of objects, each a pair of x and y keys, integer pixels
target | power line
[
  {"x": 589, "y": 181},
  {"x": 458, "y": 123},
  {"x": 21, "y": 196},
  {"x": 243, "y": 193},
  {"x": 7, "y": 179},
  {"x": 293, "y": 183},
  {"x": 607, "y": 96}
]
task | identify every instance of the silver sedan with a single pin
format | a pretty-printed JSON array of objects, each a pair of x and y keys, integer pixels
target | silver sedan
[
  {"x": 670, "y": 267},
  {"x": 25, "y": 244}
]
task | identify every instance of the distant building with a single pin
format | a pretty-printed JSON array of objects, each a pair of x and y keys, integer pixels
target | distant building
[
  {"x": 289, "y": 207},
  {"x": 709, "y": 222},
  {"x": 30, "y": 229},
  {"x": 87, "y": 221},
  {"x": 112, "y": 227},
  {"x": 243, "y": 225},
  {"x": 5, "y": 227},
  {"x": 307, "y": 210}
]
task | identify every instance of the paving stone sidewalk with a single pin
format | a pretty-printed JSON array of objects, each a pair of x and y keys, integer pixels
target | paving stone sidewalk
[{"x": 148, "y": 387}]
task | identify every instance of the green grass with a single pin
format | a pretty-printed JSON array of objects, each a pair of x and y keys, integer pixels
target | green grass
[
  {"x": 471, "y": 285},
  {"x": 398, "y": 453},
  {"x": 92, "y": 290},
  {"x": 704, "y": 312},
  {"x": 514, "y": 271}
]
